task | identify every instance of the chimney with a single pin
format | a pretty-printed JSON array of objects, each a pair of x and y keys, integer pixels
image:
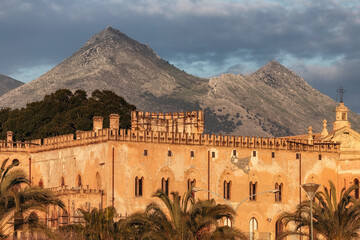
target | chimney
[
  {"x": 114, "y": 121},
  {"x": 97, "y": 123},
  {"x": 9, "y": 136},
  {"x": 134, "y": 120}
]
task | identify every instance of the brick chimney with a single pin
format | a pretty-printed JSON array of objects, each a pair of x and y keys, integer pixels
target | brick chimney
[
  {"x": 114, "y": 121},
  {"x": 97, "y": 123}
]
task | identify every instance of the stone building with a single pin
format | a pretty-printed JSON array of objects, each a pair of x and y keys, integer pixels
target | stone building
[{"x": 122, "y": 168}]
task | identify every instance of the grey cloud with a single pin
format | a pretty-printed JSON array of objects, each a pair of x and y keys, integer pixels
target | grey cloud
[
  {"x": 200, "y": 36},
  {"x": 329, "y": 79}
]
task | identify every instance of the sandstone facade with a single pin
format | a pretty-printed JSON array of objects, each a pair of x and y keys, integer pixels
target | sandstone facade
[{"x": 122, "y": 168}]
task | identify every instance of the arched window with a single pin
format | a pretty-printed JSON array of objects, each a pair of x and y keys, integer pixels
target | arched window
[
  {"x": 356, "y": 183},
  {"x": 18, "y": 221},
  {"x": 62, "y": 181},
  {"x": 41, "y": 184},
  {"x": 227, "y": 189},
  {"x": 78, "y": 181},
  {"x": 98, "y": 181},
  {"x": 253, "y": 226},
  {"x": 33, "y": 219},
  {"x": 78, "y": 216},
  {"x": 227, "y": 222},
  {"x": 279, "y": 228},
  {"x": 252, "y": 191},
  {"x": 139, "y": 186},
  {"x": 64, "y": 220},
  {"x": 53, "y": 219},
  {"x": 191, "y": 183},
  {"x": 165, "y": 185},
  {"x": 278, "y": 195}
]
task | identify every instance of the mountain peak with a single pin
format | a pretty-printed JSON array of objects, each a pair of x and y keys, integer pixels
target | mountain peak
[
  {"x": 276, "y": 75},
  {"x": 274, "y": 66},
  {"x": 107, "y": 33}
]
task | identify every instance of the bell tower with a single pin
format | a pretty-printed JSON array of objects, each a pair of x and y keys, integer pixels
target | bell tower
[{"x": 341, "y": 118}]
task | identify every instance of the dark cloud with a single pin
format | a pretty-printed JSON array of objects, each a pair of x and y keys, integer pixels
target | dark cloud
[{"x": 317, "y": 39}]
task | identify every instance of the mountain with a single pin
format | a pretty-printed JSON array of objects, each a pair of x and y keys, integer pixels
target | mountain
[
  {"x": 8, "y": 83},
  {"x": 272, "y": 101},
  {"x": 111, "y": 60}
]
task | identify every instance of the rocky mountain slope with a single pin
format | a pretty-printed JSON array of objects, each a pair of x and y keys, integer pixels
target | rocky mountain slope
[
  {"x": 111, "y": 60},
  {"x": 8, "y": 83},
  {"x": 272, "y": 101}
]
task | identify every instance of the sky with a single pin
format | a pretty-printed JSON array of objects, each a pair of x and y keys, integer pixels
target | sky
[{"x": 318, "y": 40}]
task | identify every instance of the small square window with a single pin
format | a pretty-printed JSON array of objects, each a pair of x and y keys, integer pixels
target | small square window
[
  {"x": 169, "y": 153},
  {"x": 192, "y": 154},
  {"x": 320, "y": 157},
  {"x": 298, "y": 156},
  {"x": 213, "y": 154},
  {"x": 145, "y": 152},
  {"x": 254, "y": 154},
  {"x": 234, "y": 153},
  {"x": 272, "y": 154}
]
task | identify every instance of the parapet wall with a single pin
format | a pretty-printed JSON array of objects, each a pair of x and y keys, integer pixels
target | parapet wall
[
  {"x": 182, "y": 122},
  {"x": 103, "y": 135},
  {"x": 185, "y": 128}
]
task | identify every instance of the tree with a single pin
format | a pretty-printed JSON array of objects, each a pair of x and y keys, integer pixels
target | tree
[
  {"x": 18, "y": 199},
  {"x": 97, "y": 225},
  {"x": 334, "y": 218},
  {"x": 64, "y": 112},
  {"x": 186, "y": 219}
]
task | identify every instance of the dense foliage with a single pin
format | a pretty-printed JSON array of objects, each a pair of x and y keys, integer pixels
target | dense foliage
[
  {"x": 63, "y": 112},
  {"x": 334, "y": 218},
  {"x": 18, "y": 199},
  {"x": 186, "y": 220},
  {"x": 178, "y": 219},
  {"x": 96, "y": 225}
]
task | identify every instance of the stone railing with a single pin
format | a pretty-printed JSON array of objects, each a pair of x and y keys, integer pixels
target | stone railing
[{"x": 74, "y": 190}]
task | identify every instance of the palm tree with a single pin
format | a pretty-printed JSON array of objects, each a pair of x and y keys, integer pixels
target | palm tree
[
  {"x": 97, "y": 225},
  {"x": 18, "y": 198},
  {"x": 334, "y": 218},
  {"x": 187, "y": 220}
]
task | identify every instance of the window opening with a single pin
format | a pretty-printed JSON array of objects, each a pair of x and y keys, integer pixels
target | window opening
[
  {"x": 165, "y": 186},
  {"x": 227, "y": 190},
  {"x": 356, "y": 183},
  {"x": 252, "y": 191}
]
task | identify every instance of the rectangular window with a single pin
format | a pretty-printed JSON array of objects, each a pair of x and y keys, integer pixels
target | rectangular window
[
  {"x": 254, "y": 154},
  {"x": 234, "y": 153},
  {"x": 298, "y": 156},
  {"x": 227, "y": 189},
  {"x": 252, "y": 191},
  {"x": 139, "y": 186},
  {"x": 192, "y": 154},
  {"x": 169, "y": 153},
  {"x": 213, "y": 154},
  {"x": 191, "y": 183},
  {"x": 320, "y": 157},
  {"x": 165, "y": 186},
  {"x": 145, "y": 152},
  {"x": 272, "y": 154},
  {"x": 278, "y": 195}
]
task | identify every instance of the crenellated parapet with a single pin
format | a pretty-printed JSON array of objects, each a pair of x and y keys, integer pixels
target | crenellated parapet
[
  {"x": 182, "y": 122},
  {"x": 167, "y": 134},
  {"x": 103, "y": 135}
]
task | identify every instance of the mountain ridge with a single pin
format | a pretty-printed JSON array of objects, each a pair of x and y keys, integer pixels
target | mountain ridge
[
  {"x": 272, "y": 101},
  {"x": 7, "y": 83}
]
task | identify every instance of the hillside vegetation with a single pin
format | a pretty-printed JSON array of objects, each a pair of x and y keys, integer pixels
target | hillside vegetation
[{"x": 63, "y": 112}]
